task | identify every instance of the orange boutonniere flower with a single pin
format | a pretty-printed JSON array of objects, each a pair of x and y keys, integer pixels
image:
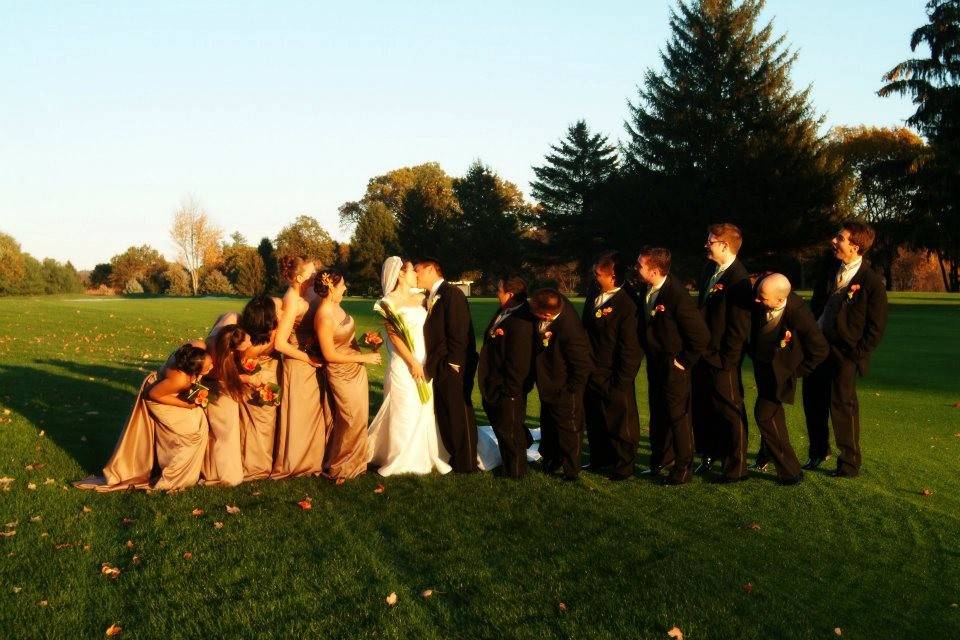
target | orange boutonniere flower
[
  {"x": 787, "y": 338},
  {"x": 717, "y": 288},
  {"x": 658, "y": 309},
  {"x": 604, "y": 312},
  {"x": 496, "y": 333},
  {"x": 852, "y": 291},
  {"x": 251, "y": 365},
  {"x": 546, "y": 338}
]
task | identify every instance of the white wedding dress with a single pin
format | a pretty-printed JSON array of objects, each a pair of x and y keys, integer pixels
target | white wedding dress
[{"x": 403, "y": 436}]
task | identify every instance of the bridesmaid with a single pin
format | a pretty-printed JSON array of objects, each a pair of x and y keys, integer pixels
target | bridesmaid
[
  {"x": 163, "y": 443},
  {"x": 346, "y": 379},
  {"x": 258, "y": 424},
  {"x": 302, "y": 428},
  {"x": 223, "y": 463}
]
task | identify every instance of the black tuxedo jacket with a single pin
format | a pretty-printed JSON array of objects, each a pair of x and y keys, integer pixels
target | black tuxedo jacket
[
  {"x": 562, "y": 360},
  {"x": 726, "y": 310},
  {"x": 448, "y": 333},
  {"x": 612, "y": 331},
  {"x": 802, "y": 351},
  {"x": 675, "y": 328},
  {"x": 862, "y": 317},
  {"x": 506, "y": 357}
]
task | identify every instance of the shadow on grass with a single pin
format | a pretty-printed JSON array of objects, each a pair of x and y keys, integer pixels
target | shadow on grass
[{"x": 80, "y": 407}]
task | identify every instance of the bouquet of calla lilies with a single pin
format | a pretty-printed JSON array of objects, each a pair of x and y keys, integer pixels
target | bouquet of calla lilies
[{"x": 398, "y": 326}]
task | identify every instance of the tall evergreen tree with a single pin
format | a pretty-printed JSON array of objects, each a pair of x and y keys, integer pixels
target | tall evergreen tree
[
  {"x": 933, "y": 83},
  {"x": 568, "y": 187},
  {"x": 492, "y": 212},
  {"x": 721, "y": 135},
  {"x": 270, "y": 266},
  {"x": 374, "y": 239}
]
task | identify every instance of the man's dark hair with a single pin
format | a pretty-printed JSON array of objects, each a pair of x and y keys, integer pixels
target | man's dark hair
[
  {"x": 512, "y": 283},
  {"x": 861, "y": 234},
  {"x": 610, "y": 262},
  {"x": 429, "y": 261},
  {"x": 657, "y": 257},
  {"x": 546, "y": 301}
]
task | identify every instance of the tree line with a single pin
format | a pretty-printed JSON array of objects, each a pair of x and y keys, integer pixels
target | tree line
[{"x": 718, "y": 134}]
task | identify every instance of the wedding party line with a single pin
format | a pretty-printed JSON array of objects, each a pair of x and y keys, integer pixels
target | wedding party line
[{"x": 281, "y": 389}]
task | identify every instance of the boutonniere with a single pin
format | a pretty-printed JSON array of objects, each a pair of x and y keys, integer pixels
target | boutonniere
[
  {"x": 546, "y": 338},
  {"x": 787, "y": 338},
  {"x": 603, "y": 313},
  {"x": 852, "y": 290},
  {"x": 250, "y": 366},
  {"x": 496, "y": 333},
  {"x": 658, "y": 309},
  {"x": 433, "y": 304},
  {"x": 717, "y": 288}
]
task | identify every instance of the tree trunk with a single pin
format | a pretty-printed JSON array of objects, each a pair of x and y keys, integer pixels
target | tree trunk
[
  {"x": 193, "y": 281},
  {"x": 943, "y": 272}
]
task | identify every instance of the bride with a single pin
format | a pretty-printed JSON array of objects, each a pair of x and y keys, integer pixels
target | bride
[{"x": 403, "y": 436}]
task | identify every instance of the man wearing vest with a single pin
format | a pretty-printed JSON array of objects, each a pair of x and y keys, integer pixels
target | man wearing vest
[{"x": 850, "y": 305}]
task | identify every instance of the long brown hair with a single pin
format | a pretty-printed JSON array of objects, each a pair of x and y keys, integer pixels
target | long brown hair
[{"x": 226, "y": 359}]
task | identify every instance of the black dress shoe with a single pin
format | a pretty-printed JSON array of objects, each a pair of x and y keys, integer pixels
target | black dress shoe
[
  {"x": 729, "y": 479},
  {"x": 551, "y": 466},
  {"x": 651, "y": 471},
  {"x": 840, "y": 473},
  {"x": 813, "y": 463},
  {"x": 790, "y": 481},
  {"x": 592, "y": 467}
]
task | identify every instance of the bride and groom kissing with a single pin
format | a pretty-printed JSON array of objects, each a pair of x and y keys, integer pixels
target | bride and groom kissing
[{"x": 408, "y": 435}]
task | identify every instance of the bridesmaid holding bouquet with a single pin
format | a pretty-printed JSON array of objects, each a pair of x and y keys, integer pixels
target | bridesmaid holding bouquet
[{"x": 346, "y": 379}]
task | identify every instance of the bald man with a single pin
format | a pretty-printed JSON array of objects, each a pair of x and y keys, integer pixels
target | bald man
[{"x": 785, "y": 344}]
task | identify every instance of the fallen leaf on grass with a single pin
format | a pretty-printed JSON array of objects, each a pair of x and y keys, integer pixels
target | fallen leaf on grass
[
  {"x": 113, "y": 630},
  {"x": 753, "y": 526},
  {"x": 31, "y": 486},
  {"x": 9, "y": 533},
  {"x": 306, "y": 504},
  {"x": 12, "y": 525},
  {"x": 130, "y": 544},
  {"x": 127, "y": 522},
  {"x": 391, "y": 599},
  {"x": 675, "y": 633},
  {"x": 43, "y": 603},
  {"x": 187, "y": 555},
  {"x": 63, "y": 545},
  {"x": 233, "y": 509},
  {"x": 380, "y": 489},
  {"x": 748, "y": 588},
  {"x": 426, "y": 593},
  {"x": 562, "y": 607},
  {"x": 49, "y": 481},
  {"x": 110, "y": 571},
  {"x": 340, "y": 481},
  {"x": 17, "y": 589},
  {"x": 197, "y": 512},
  {"x": 218, "y": 525},
  {"x": 838, "y": 631},
  {"x": 926, "y": 493},
  {"x": 135, "y": 560},
  {"x": 86, "y": 509}
]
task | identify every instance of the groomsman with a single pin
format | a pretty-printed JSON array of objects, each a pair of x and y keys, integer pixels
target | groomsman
[
  {"x": 562, "y": 363},
  {"x": 851, "y": 309},
  {"x": 673, "y": 335},
  {"x": 719, "y": 416},
  {"x": 785, "y": 344},
  {"x": 505, "y": 374},
  {"x": 610, "y": 401}
]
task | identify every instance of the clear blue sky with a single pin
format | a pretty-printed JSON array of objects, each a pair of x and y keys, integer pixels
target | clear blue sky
[{"x": 111, "y": 112}]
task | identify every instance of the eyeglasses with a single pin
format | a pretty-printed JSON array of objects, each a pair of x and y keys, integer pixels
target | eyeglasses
[{"x": 710, "y": 242}]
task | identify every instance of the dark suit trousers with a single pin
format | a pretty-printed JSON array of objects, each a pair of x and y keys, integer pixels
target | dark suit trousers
[
  {"x": 671, "y": 432},
  {"x": 719, "y": 417},
  {"x": 561, "y": 423},
  {"x": 613, "y": 430},
  {"x": 453, "y": 406},
  {"x": 507, "y": 417},
  {"x": 830, "y": 392},
  {"x": 772, "y": 422}
]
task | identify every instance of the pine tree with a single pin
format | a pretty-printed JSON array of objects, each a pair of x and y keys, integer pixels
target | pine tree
[
  {"x": 721, "y": 135},
  {"x": 934, "y": 85},
  {"x": 568, "y": 187},
  {"x": 271, "y": 268},
  {"x": 374, "y": 239}
]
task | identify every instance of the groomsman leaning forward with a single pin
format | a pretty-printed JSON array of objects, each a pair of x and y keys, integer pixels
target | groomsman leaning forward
[
  {"x": 610, "y": 401},
  {"x": 673, "y": 336},
  {"x": 850, "y": 305},
  {"x": 562, "y": 363},
  {"x": 785, "y": 344},
  {"x": 719, "y": 416},
  {"x": 505, "y": 374}
]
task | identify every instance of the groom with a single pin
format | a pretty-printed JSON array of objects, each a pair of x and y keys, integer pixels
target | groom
[{"x": 451, "y": 363}]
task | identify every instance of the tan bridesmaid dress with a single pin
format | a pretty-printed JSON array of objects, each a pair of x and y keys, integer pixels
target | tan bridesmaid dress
[
  {"x": 348, "y": 393},
  {"x": 223, "y": 461},
  {"x": 258, "y": 426},
  {"x": 160, "y": 447},
  {"x": 301, "y": 428}
]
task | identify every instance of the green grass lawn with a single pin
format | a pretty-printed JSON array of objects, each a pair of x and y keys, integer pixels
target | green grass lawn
[{"x": 537, "y": 558}]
